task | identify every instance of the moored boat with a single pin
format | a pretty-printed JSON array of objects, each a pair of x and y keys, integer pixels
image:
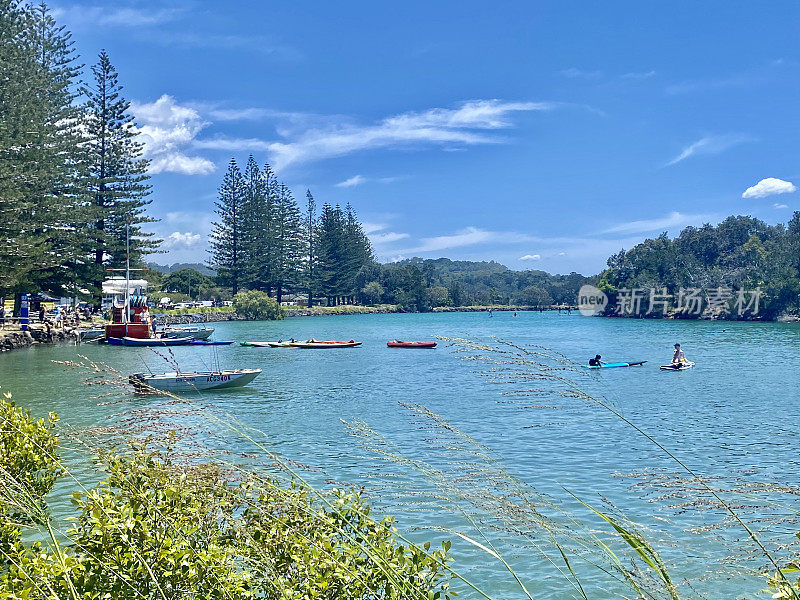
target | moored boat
[
  {"x": 278, "y": 344},
  {"x": 312, "y": 343},
  {"x": 143, "y": 342},
  {"x": 410, "y": 344},
  {"x": 198, "y": 333},
  {"x": 195, "y": 381},
  {"x": 92, "y": 334}
]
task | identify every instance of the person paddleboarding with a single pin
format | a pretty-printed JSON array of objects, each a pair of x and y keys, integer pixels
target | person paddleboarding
[
  {"x": 678, "y": 357},
  {"x": 595, "y": 362}
]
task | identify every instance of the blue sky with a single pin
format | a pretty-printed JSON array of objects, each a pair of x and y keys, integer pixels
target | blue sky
[{"x": 543, "y": 135}]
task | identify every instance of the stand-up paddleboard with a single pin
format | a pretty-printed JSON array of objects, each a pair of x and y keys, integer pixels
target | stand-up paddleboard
[
  {"x": 682, "y": 367},
  {"x": 617, "y": 364}
]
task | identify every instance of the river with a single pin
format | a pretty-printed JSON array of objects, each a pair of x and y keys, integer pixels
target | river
[{"x": 734, "y": 418}]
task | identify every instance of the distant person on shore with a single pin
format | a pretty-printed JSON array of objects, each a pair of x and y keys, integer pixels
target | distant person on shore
[
  {"x": 678, "y": 357},
  {"x": 2, "y": 315},
  {"x": 41, "y": 313},
  {"x": 596, "y": 362}
]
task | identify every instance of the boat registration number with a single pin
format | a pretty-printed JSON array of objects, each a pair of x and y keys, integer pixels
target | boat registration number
[{"x": 217, "y": 378}]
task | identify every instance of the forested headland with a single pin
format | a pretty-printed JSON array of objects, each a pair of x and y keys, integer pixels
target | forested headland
[{"x": 711, "y": 271}]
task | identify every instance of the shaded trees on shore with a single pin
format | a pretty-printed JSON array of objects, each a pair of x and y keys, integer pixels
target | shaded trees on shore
[
  {"x": 741, "y": 253},
  {"x": 70, "y": 167},
  {"x": 261, "y": 240}
]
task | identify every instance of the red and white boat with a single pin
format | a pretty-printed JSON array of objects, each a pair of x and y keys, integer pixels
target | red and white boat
[
  {"x": 410, "y": 344},
  {"x": 130, "y": 317}
]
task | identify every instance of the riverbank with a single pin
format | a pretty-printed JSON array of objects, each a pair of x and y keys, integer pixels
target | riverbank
[{"x": 13, "y": 339}]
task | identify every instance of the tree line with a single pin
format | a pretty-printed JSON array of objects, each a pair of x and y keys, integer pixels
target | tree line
[
  {"x": 263, "y": 241},
  {"x": 714, "y": 262},
  {"x": 71, "y": 168}
]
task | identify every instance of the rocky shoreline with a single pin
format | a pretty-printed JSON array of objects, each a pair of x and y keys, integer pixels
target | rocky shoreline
[{"x": 12, "y": 340}]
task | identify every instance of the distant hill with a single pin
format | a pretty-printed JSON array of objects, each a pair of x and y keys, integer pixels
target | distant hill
[{"x": 167, "y": 269}]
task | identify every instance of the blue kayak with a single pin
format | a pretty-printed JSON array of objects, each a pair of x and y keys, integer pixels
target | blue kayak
[{"x": 618, "y": 364}]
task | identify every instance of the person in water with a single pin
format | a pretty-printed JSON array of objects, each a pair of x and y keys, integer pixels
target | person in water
[
  {"x": 678, "y": 358},
  {"x": 596, "y": 362}
]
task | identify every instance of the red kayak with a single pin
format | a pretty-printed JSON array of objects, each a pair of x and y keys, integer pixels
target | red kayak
[{"x": 402, "y": 344}]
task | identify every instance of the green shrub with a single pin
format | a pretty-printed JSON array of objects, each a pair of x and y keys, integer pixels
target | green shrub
[
  {"x": 257, "y": 306},
  {"x": 154, "y": 529}
]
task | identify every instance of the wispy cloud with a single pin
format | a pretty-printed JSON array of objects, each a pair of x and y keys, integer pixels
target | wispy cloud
[
  {"x": 229, "y": 144},
  {"x": 379, "y": 237},
  {"x": 573, "y": 73},
  {"x": 673, "y": 220},
  {"x": 352, "y": 181},
  {"x": 769, "y": 187},
  {"x": 712, "y": 144},
  {"x": 167, "y": 130},
  {"x": 360, "y": 179},
  {"x": 531, "y": 257},
  {"x": 77, "y": 16},
  {"x": 777, "y": 205},
  {"x": 263, "y": 45},
  {"x": 465, "y": 125},
  {"x": 639, "y": 75}
]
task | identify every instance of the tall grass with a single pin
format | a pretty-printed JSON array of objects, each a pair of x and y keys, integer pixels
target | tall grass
[{"x": 588, "y": 544}]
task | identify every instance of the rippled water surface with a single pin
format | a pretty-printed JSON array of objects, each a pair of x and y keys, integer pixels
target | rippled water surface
[{"x": 737, "y": 412}]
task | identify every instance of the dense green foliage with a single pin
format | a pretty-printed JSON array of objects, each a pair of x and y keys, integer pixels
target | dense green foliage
[
  {"x": 419, "y": 285},
  {"x": 261, "y": 241},
  {"x": 156, "y": 529},
  {"x": 70, "y": 168},
  {"x": 739, "y": 253},
  {"x": 254, "y": 304}
]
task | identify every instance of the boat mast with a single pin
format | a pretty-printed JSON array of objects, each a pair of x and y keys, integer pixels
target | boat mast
[{"x": 127, "y": 274}]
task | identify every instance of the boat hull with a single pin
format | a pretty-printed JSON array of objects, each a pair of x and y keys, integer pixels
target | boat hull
[
  {"x": 198, "y": 333},
  {"x": 270, "y": 344},
  {"x": 407, "y": 344},
  {"x": 190, "y": 382},
  {"x": 141, "y": 343},
  {"x": 322, "y": 344},
  {"x": 129, "y": 330}
]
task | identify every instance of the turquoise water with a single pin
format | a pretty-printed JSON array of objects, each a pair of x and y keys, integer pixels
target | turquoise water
[{"x": 736, "y": 415}]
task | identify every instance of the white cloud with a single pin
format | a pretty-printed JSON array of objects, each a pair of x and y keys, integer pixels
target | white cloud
[
  {"x": 387, "y": 237},
  {"x": 641, "y": 75},
  {"x": 466, "y": 237},
  {"x": 167, "y": 129},
  {"x": 712, "y": 144},
  {"x": 352, "y": 181},
  {"x": 674, "y": 219},
  {"x": 446, "y": 127},
  {"x": 176, "y": 239},
  {"x": 80, "y": 15},
  {"x": 779, "y": 206},
  {"x": 531, "y": 257},
  {"x": 573, "y": 73},
  {"x": 769, "y": 187},
  {"x": 233, "y": 144},
  {"x": 379, "y": 237}
]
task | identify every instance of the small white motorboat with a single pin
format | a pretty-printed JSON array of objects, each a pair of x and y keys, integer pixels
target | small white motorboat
[
  {"x": 190, "y": 382},
  {"x": 93, "y": 333},
  {"x": 198, "y": 333}
]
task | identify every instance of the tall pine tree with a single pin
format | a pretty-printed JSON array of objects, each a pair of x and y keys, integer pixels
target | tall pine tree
[
  {"x": 118, "y": 174},
  {"x": 226, "y": 239},
  {"x": 287, "y": 228},
  {"x": 309, "y": 235}
]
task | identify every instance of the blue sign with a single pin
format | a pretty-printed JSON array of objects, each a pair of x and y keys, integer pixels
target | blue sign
[{"x": 23, "y": 312}]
